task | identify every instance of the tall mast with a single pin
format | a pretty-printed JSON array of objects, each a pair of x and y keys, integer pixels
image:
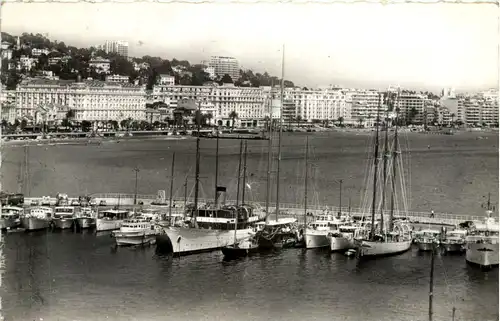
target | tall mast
[
  {"x": 306, "y": 179},
  {"x": 375, "y": 175},
  {"x": 244, "y": 174},
  {"x": 197, "y": 170},
  {"x": 2, "y": 258},
  {"x": 394, "y": 164},
  {"x": 386, "y": 156},
  {"x": 238, "y": 194},
  {"x": 216, "y": 170},
  {"x": 269, "y": 156},
  {"x": 279, "y": 135},
  {"x": 171, "y": 189}
]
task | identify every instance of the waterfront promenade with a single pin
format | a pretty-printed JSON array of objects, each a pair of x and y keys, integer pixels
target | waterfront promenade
[{"x": 286, "y": 209}]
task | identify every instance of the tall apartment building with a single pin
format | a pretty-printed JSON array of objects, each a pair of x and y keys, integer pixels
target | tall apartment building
[
  {"x": 94, "y": 101},
  {"x": 8, "y": 104},
  {"x": 119, "y": 47},
  {"x": 411, "y": 103},
  {"x": 225, "y": 65},
  {"x": 364, "y": 106}
]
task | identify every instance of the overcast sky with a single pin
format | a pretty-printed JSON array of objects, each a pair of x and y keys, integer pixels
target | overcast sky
[{"x": 362, "y": 45}]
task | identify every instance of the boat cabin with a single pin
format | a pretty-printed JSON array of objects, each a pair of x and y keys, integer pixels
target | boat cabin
[
  {"x": 484, "y": 233},
  {"x": 64, "y": 212},
  {"x": 41, "y": 211},
  {"x": 112, "y": 215},
  {"x": 224, "y": 218},
  {"x": 12, "y": 212},
  {"x": 137, "y": 223}
]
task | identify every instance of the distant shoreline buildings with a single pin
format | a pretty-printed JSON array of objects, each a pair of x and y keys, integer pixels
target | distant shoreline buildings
[
  {"x": 117, "y": 100},
  {"x": 123, "y": 97}
]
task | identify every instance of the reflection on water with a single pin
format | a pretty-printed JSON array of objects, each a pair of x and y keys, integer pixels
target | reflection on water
[{"x": 67, "y": 276}]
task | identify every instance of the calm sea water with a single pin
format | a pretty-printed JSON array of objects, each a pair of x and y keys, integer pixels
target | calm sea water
[
  {"x": 449, "y": 174},
  {"x": 79, "y": 276}
]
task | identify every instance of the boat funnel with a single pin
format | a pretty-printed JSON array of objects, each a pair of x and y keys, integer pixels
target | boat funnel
[{"x": 221, "y": 191}]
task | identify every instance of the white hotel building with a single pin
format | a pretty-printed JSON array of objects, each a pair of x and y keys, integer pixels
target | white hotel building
[{"x": 94, "y": 101}]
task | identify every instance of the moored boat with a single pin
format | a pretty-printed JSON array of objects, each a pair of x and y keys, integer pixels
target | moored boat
[
  {"x": 316, "y": 234},
  {"x": 454, "y": 241},
  {"x": 426, "y": 239},
  {"x": 110, "y": 220},
  {"x": 86, "y": 218},
  {"x": 64, "y": 217},
  {"x": 277, "y": 233},
  {"x": 482, "y": 244},
  {"x": 10, "y": 217},
  {"x": 241, "y": 249},
  {"x": 39, "y": 218},
  {"x": 343, "y": 238},
  {"x": 135, "y": 231}
]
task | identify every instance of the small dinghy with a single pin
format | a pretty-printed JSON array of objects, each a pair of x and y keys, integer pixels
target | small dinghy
[
  {"x": 240, "y": 249},
  {"x": 350, "y": 253}
]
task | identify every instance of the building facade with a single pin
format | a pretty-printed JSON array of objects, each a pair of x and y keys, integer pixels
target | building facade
[
  {"x": 8, "y": 104},
  {"x": 102, "y": 65},
  {"x": 94, "y": 101},
  {"x": 119, "y": 47},
  {"x": 225, "y": 65},
  {"x": 117, "y": 79}
]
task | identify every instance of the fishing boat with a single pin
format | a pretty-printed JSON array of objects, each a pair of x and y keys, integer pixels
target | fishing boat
[
  {"x": 210, "y": 226},
  {"x": 10, "y": 217},
  {"x": 482, "y": 242},
  {"x": 377, "y": 239},
  {"x": 316, "y": 234},
  {"x": 110, "y": 220},
  {"x": 39, "y": 218},
  {"x": 343, "y": 238},
  {"x": 135, "y": 231},
  {"x": 454, "y": 241},
  {"x": 86, "y": 218},
  {"x": 427, "y": 239},
  {"x": 64, "y": 217},
  {"x": 243, "y": 247}
]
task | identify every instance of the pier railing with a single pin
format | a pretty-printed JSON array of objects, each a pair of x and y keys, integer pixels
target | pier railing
[{"x": 289, "y": 209}]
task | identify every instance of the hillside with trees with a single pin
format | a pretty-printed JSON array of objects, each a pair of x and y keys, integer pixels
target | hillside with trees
[{"x": 79, "y": 58}]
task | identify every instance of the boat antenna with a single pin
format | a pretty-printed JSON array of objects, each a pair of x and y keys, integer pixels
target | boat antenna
[
  {"x": 374, "y": 200},
  {"x": 197, "y": 170},
  {"x": 305, "y": 180},
  {"x": 279, "y": 134},
  {"x": 216, "y": 171},
  {"x": 394, "y": 162},
  {"x": 171, "y": 189},
  {"x": 269, "y": 154},
  {"x": 386, "y": 157},
  {"x": 244, "y": 174}
]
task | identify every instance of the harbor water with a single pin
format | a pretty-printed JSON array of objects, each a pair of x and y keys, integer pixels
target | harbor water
[{"x": 80, "y": 276}]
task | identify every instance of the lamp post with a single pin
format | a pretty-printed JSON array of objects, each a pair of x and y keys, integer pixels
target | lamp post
[{"x": 136, "y": 170}]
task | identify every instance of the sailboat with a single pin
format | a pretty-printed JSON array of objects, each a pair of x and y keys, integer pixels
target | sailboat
[
  {"x": 247, "y": 246},
  {"x": 377, "y": 239},
  {"x": 210, "y": 227},
  {"x": 280, "y": 232}
]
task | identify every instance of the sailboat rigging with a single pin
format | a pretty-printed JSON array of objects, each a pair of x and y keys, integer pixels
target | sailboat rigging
[{"x": 397, "y": 238}]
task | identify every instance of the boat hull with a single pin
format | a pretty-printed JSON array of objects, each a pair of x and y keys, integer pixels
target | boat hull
[
  {"x": 425, "y": 246},
  {"x": 85, "y": 222},
  {"x": 233, "y": 252},
  {"x": 278, "y": 240},
  {"x": 134, "y": 238},
  {"x": 107, "y": 225},
  {"x": 341, "y": 243},
  {"x": 316, "y": 240},
  {"x": 35, "y": 223},
  {"x": 373, "y": 249},
  {"x": 482, "y": 254},
  {"x": 453, "y": 247},
  {"x": 9, "y": 223},
  {"x": 185, "y": 240},
  {"x": 63, "y": 223}
]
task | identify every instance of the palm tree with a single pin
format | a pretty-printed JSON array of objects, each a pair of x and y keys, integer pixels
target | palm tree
[
  {"x": 341, "y": 121},
  {"x": 453, "y": 118},
  {"x": 298, "y": 119},
  {"x": 233, "y": 115},
  {"x": 360, "y": 120}
]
